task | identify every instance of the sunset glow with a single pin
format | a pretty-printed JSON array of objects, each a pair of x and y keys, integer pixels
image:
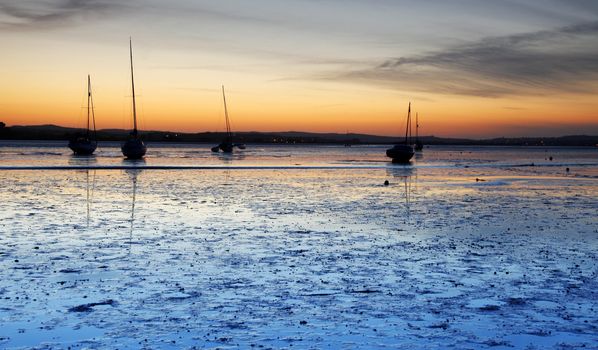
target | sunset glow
[{"x": 480, "y": 70}]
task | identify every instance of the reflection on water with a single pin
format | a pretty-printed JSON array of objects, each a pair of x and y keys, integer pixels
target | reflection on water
[
  {"x": 400, "y": 171},
  {"x": 244, "y": 253},
  {"x": 133, "y": 162},
  {"x": 133, "y": 174},
  {"x": 89, "y": 192},
  {"x": 229, "y": 158},
  {"x": 82, "y": 160},
  {"x": 405, "y": 176},
  {"x": 56, "y": 154}
]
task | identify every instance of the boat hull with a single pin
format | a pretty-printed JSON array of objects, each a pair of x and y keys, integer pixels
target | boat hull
[
  {"x": 133, "y": 149},
  {"x": 400, "y": 153},
  {"x": 226, "y": 147},
  {"x": 83, "y": 146}
]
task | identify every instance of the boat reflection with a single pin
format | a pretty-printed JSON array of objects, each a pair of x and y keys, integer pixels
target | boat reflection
[
  {"x": 90, "y": 191},
  {"x": 83, "y": 161},
  {"x": 406, "y": 177},
  {"x": 133, "y": 162},
  {"x": 228, "y": 158},
  {"x": 133, "y": 175}
]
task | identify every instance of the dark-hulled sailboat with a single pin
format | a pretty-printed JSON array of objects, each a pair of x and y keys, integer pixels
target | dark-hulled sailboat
[
  {"x": 86, "y": 144},
  {"x": 133, "y": 147},
  {"x": 419, "y": 145},
  {"x": 227, "y": 145},
  {"x": 403, "y": 152}
]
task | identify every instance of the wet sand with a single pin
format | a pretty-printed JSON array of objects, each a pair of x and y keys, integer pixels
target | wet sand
[{"x": 310, "y": 258}]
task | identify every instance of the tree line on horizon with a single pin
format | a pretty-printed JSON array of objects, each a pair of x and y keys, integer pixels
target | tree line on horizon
[{"x": 53, "y": 132}]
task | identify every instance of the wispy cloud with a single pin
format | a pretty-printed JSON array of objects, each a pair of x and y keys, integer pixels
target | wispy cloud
[
  {"x": 544, "y": 62},
  {"x": 48, "y": 13}
]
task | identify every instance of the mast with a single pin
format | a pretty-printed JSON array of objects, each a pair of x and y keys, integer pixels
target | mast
[
  {"x": 417, "y": 127},
  {"x": 408, "y": 126},
  {"x": 93, "y": 113},
  {"x": 88, "y": 102},
  {"x": 228, "y": 131},
  {"x": 133, "y": 89},
  {"x": 410, "y": 130}
]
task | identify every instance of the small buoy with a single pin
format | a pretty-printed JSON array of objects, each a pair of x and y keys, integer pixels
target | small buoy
[
  {"x": 386, "y": 183},
  {"x": 567, "y": 170},
  {"x": 550, "y": 158}
]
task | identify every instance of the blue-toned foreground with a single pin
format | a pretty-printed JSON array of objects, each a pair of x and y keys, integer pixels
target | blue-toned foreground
[{"x": 459, "y": 251}]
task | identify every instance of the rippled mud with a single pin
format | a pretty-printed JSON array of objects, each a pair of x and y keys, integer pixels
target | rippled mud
[{"x": 298, "y": 259}]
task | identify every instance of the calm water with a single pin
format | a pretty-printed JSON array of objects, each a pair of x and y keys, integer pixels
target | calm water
[
  {"x": 27, "y": 153},
  {"x": 466, "y": 248}
]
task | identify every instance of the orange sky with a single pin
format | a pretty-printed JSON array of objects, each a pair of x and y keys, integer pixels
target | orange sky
[{"x": 321, "y": 81}]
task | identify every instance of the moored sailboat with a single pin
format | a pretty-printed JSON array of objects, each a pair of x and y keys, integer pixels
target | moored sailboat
[
  {"x": 403, "y": 152},
  {"x": 133, "y": 147},
  {"x": 85, "y": 145},
  {"x": 227, "y": 145}
]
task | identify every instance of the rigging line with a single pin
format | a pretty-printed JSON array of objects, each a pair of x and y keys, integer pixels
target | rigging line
[
  {"x": 88, "y": 102},
  {"x": 228, "y": 131},
  {"x": 410, "y": 130},
  {"x": 133, "y": 88},
  {"x": 407, "y": 125},
  {"x": 93, "y": 113},
  {"x": 81, "y": 120}
]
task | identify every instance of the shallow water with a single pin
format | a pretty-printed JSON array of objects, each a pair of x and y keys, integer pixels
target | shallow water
[{"x": 291, "y": 257}]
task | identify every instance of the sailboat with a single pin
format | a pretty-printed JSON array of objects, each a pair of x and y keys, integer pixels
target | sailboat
[
  {"x": 227, "y": 145},
  {"x": 418, "y": 144},
  {"x": 133, "y": 147},
  {"x": 403, "y": 152},
  {"x": 85, "y": 145}
]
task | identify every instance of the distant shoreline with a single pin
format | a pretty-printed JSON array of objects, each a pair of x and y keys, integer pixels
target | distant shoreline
[
  {"x": 58, "y": 133},
  {"x": 161, "y": 144}
]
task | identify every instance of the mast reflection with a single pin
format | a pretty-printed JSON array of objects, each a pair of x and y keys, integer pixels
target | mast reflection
[
  {"x": 133, "y": 175},
  {"x": 405, "y": 176},
  {"x": 89, "y": 192}
]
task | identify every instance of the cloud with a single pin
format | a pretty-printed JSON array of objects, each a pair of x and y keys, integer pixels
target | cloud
[
  {"x": 48, "y": 13},
  {"x": 544, "y": 62}
]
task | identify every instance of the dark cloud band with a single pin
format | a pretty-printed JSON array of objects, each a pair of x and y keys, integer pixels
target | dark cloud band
[
  {"x": 561, "y": 60},
  {"x": 42, "y": 14}
]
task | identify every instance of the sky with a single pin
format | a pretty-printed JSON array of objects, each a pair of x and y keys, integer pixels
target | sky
[{"x": 470, "y": 68}]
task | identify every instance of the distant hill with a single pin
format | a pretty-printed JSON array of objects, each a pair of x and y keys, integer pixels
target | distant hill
[{"x": 54, "y": 132}]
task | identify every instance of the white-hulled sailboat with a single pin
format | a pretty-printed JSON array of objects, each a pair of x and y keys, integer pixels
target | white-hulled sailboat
[{"x": 133, "y": 147}]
